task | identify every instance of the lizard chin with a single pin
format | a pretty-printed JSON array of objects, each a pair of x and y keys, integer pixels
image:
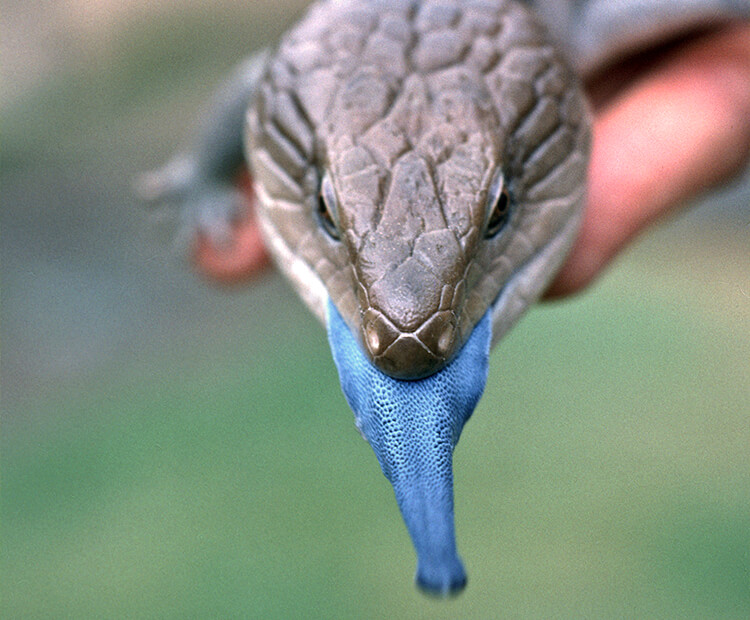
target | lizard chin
[{"x": 413, "y": 427}]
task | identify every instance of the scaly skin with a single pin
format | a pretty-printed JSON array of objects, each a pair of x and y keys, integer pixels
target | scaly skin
[{"x": 413, "y": 109}]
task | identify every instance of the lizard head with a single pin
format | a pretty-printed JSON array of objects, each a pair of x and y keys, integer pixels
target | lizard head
[
  {"x": 417, "y": 188},
  {"x": 419, "y": 169}
]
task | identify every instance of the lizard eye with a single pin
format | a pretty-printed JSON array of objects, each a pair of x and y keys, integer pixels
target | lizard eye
[
  {"x": 498, "y": 206},
  {"x": 326, "y": 208}
]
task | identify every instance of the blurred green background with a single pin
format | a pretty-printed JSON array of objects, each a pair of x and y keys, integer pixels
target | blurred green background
[{"x": 174, "y": 451}]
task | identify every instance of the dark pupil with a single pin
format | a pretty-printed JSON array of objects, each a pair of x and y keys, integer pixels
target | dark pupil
[
  {"x": 499, "y": 214},
  {"x": 325, "y": 217}
]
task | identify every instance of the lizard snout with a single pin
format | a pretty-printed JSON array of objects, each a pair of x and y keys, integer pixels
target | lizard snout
[{"x": 410, "y": 355}]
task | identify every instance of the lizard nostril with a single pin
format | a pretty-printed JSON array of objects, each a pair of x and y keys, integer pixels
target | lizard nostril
[
  {"x": 445, "y": 342},
  {"x": 377, "y": 332},
  {"x": 439, "y": 334},
  {"x": 373, "y": 339}
]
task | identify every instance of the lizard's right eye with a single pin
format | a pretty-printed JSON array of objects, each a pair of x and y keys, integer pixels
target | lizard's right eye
[
  {"x": 498, "y": 206},
  {"x": 326, "y": 208}
]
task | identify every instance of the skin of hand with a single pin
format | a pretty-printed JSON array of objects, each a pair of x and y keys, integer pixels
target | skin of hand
[
  {"x": 677, "y": 125},
  {"x": 669, "y": 125},
  {"x": 244, "y": 254}
]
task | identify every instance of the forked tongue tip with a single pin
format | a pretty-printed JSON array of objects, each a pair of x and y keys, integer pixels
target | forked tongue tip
[{"x": 413, "y": 427}]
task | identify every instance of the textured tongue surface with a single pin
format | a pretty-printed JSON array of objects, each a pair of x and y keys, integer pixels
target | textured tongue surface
[{"x": 413, "y": 427}]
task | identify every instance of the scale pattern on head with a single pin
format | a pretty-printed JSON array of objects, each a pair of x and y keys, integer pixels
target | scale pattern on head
[{"x": 408, "y": 113}]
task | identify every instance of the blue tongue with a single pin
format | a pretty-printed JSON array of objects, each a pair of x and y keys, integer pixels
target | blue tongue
[{"x": 413, "y": 427}]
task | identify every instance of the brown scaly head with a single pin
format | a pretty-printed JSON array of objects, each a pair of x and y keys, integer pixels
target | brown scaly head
[{"x": 420, "y": 163}]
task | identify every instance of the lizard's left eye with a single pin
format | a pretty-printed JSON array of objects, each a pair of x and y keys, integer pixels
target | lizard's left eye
[
  {"x": 326, "y": 208},
  {"x": 498, "y": 206}
]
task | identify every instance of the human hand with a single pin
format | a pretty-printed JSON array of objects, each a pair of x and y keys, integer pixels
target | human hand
[{"x": 667, "y": 128}]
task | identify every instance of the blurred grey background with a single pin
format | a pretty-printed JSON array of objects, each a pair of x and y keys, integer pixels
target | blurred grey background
[{"x": 95, "y": 93}]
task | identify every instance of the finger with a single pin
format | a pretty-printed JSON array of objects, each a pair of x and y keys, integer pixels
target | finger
[
  {"x": 237, "y": 261},
  {"x": 680, "y": 130},
  {"x": 241, "y": 256}
]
